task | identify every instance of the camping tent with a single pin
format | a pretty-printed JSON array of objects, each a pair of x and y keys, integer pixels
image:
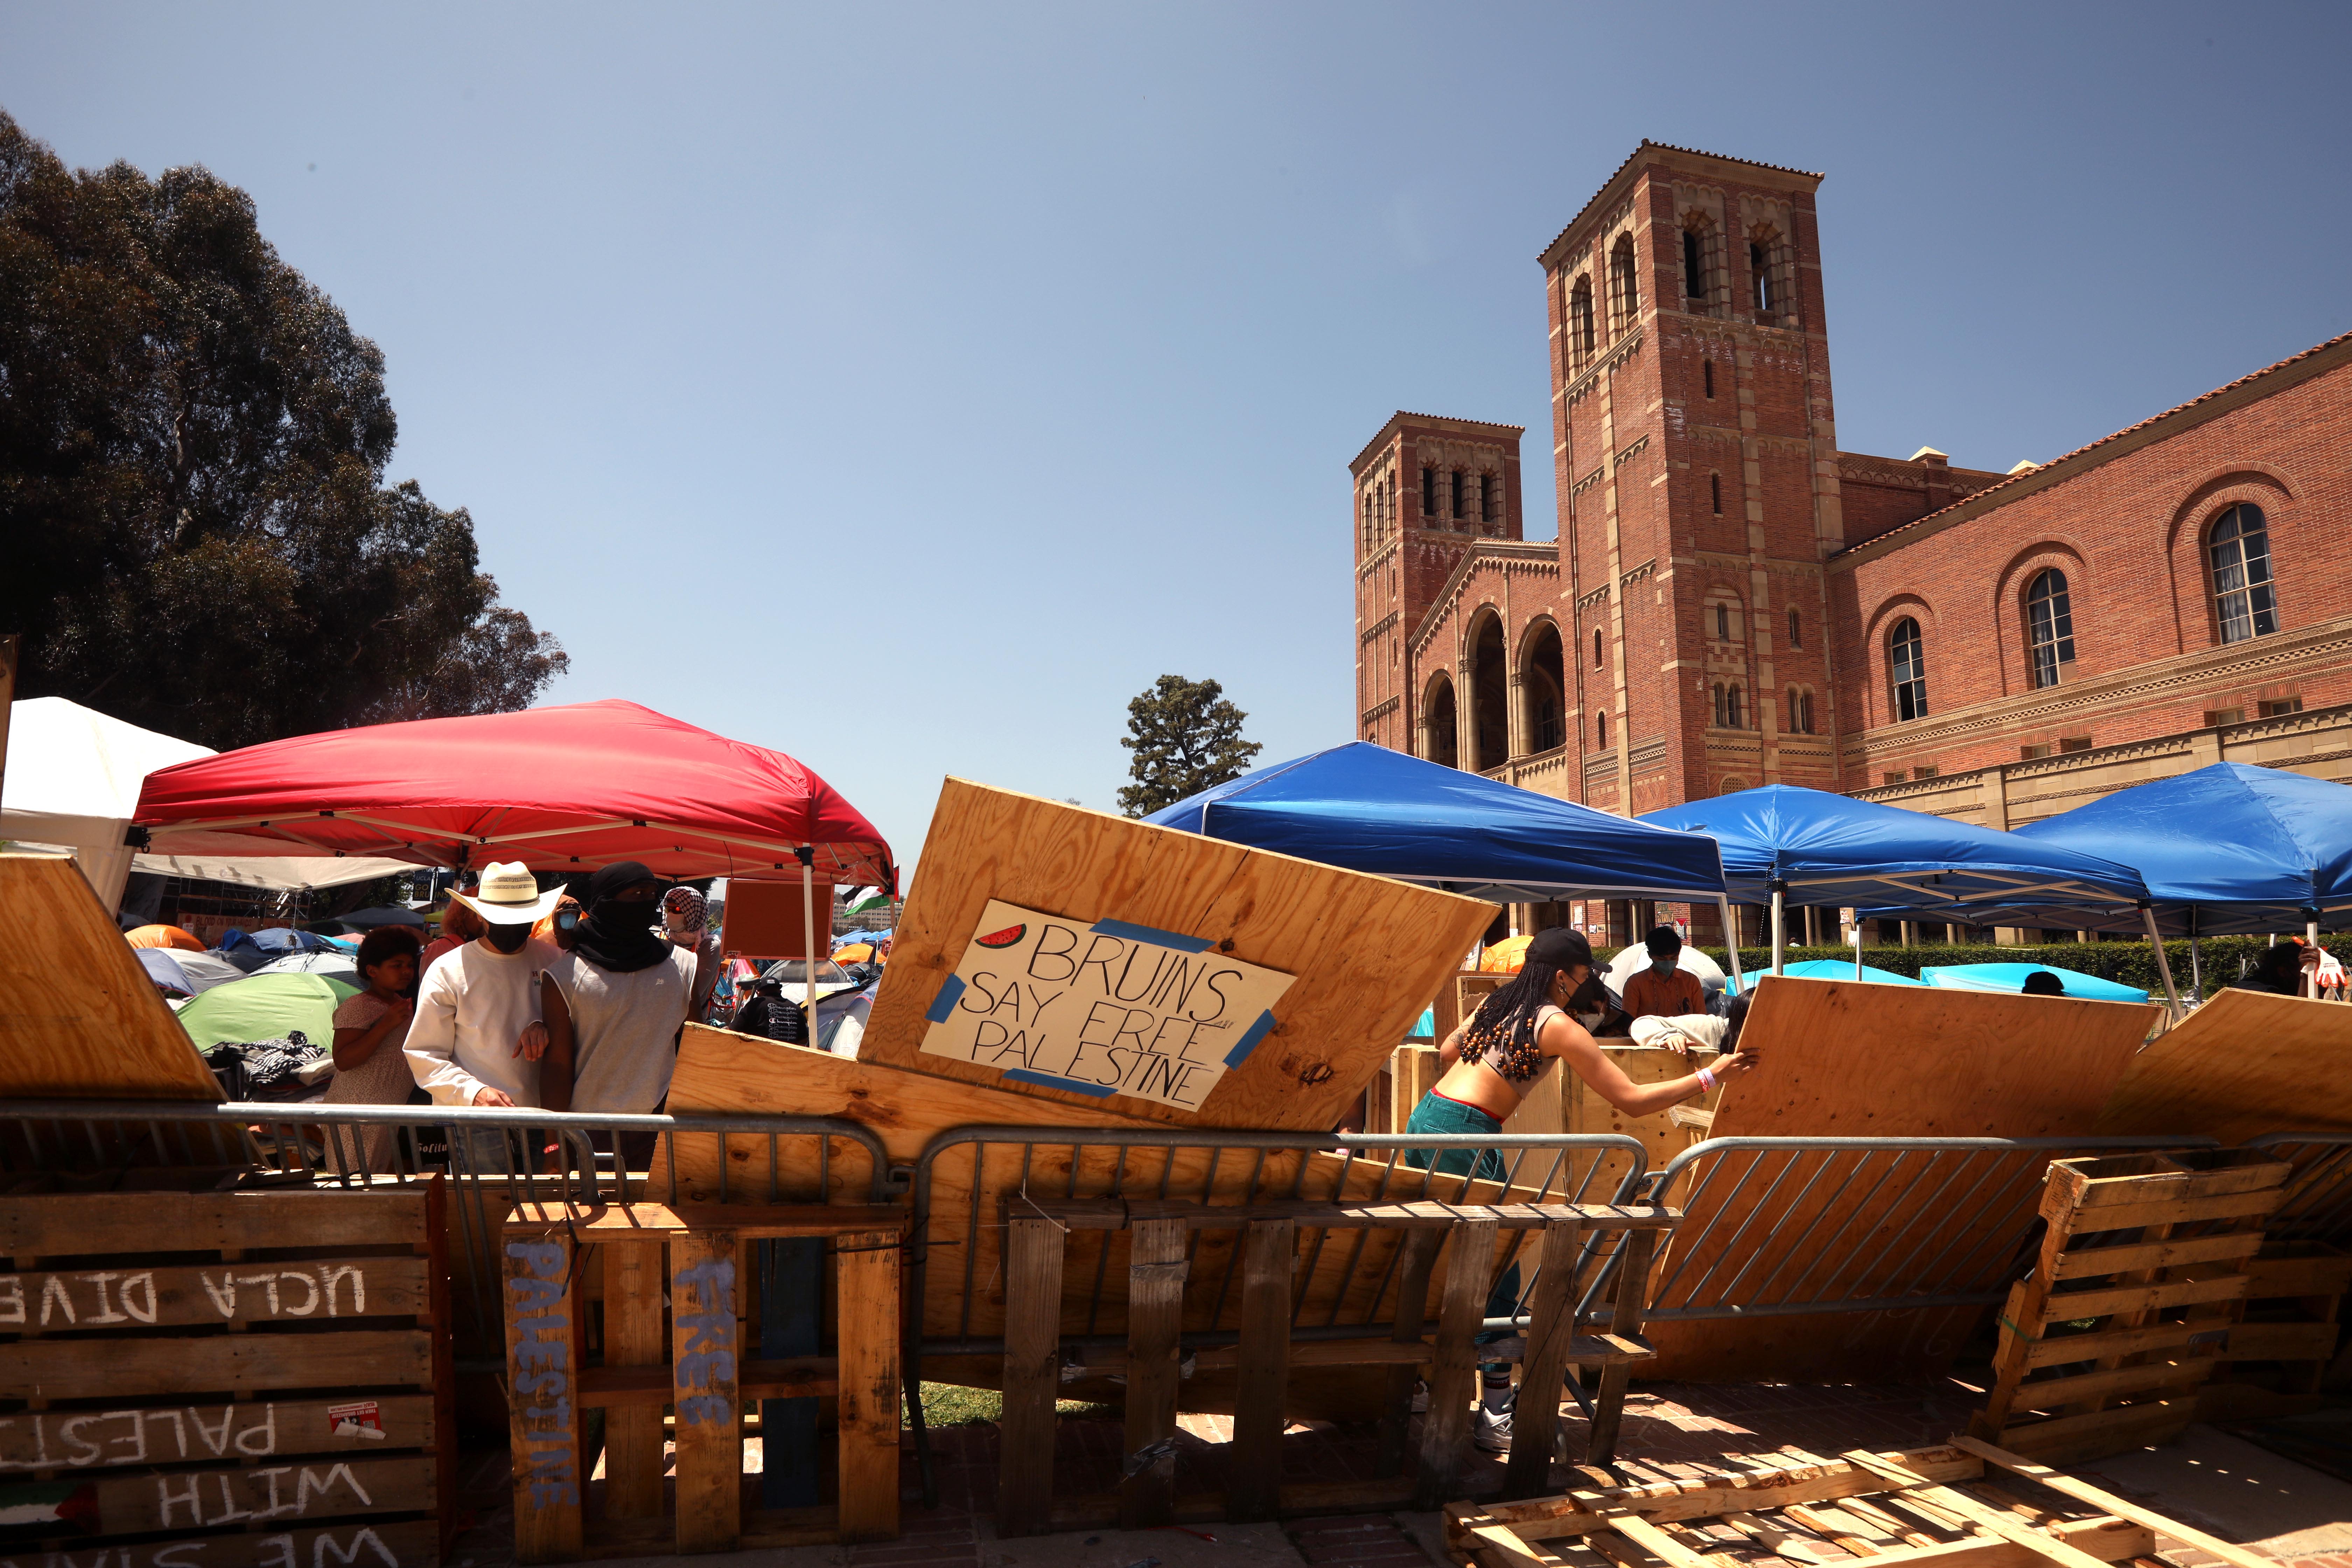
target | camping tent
[
  {"x": 73, "y": 779},
  {"x": 2010, "y": 978}
]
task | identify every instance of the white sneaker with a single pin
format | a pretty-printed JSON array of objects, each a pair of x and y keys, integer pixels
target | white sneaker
[
  {"x": 1420, "y": 1399},
  {"x": 1491, "y": 1433}
]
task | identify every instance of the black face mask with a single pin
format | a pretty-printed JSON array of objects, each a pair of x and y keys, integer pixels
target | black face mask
[
  {"x": 508, "y": 938},
  {"x": 619, "y": 920}
]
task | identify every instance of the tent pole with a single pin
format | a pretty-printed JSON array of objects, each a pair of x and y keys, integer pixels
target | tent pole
[
  {"x": 2163, "y": 964},
  {"x": 807, "y": 853},
  {"x": 2196, "y": 969},
  {"x": 1731, "y": 940},
  {"x": 2311, "y": 937},
  {"x": 1779, "y": 929}
]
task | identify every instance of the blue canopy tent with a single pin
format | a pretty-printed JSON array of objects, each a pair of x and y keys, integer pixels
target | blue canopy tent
[
  {"x": 1367, "y": 809},
  {"x": 1834, "y": 850},
  {"x": 2227, "y": 849}
]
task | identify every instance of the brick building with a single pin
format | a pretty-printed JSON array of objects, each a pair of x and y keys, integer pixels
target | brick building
[{"x": 1734, "y": 601}]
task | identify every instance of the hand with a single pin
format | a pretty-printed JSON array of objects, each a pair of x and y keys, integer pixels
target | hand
[
  {"x": 400, "y": 1012},
  {"x": 496, "y": 1099},
  {"x": 532, "y": 1043},
  {"x": 1742, "y": 1060}
]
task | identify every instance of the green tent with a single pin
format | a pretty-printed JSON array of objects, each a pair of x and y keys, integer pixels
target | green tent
[{"x": 265, "y": 1007}]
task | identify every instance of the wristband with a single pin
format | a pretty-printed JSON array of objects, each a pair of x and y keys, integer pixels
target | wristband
[{"x": 1706, "y": 1079}]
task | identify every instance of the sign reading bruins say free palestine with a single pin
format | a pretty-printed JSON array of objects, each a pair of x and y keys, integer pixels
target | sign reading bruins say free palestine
[{"x": 1101, "y": 1007}]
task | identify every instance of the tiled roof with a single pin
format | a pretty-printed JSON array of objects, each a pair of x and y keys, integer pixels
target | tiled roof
[
  {"x": 2047, "y": 473},
  {"x": 1666, "y": 147},
  {"x": 1514, "y": 431}
]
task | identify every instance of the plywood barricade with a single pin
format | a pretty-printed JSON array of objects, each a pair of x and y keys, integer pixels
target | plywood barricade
[
  {"x": 1842, "y": 1058},
  {"x": 1363, "y": 951},
  {"x": 2244, "y": 1064},
  {"x": 79, "y": 1017},
  {"x": 1349, "y": 1279},
  {"x": 215, "y": 1379},
  {"x": 695, "y": 1255}
]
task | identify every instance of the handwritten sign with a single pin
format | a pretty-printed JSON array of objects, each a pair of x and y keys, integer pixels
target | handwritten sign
[
  {"x": 538, "y": 1358},
  {"x": 703, "y": 1298},
  {"x": 1101, "y": 1007}
]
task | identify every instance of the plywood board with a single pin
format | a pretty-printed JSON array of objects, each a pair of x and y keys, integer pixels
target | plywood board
[
  {"x": 1846, "y": 1059},
  {"x": 76, "y": 1368},
  {"x": 402, "y": 1544},
  {"x": 68, "y": 1440},
  {"x": 1365, "y": 950},
  {"x": 2243, "y": 1064},
  {"x": 127, "y": 1296},
  {"x": 306, "y": 1490},
  {"x": 82, "y": 1225},
  {"x": 79, "y": 1017}
]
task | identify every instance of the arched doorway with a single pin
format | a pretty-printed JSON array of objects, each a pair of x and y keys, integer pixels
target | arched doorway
[
  {"x": 1438, "y": 716},
  {"x": 1544, "y": 683},
  {"x": 1490, "y": 694}
]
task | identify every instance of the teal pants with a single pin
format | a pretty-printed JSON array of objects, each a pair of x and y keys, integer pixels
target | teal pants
[{"x": 1435, "y": 1114}]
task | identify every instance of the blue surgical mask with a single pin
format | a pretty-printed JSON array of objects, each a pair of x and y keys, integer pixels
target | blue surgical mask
[{"x": 1662, "y": 967}]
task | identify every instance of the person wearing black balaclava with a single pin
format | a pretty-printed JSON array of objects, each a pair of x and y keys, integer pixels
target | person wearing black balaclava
[{"x": 614, "y": 1004}]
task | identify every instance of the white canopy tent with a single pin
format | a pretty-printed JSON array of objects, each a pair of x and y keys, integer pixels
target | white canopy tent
[{"x": 72, "y": 783}]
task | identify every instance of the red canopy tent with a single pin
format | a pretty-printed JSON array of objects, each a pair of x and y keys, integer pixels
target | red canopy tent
[{"x": 562, "y": 789}]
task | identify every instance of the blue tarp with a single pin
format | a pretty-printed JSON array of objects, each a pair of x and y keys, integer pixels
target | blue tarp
[
  {"x": 1833, "y": 849},
  {"x": 2012, "y": 977},
  {"x": 1368, "y": 808},
  {"x": 2246, "y": 849},
  {"x": 1839, "y": 968}
]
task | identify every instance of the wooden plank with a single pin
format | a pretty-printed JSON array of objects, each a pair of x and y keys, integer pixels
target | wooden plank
[
  {"x": 1500, "y": 1547},
  {"x": 1997, "y": 1521},
  {"x": 1367, "y": 952},
  {"x": 2030, "y": 1434},
  {"x": 84, "y": 1224},
  {"x": 2244, "y": 1064},
  {"x": 405, "y": 1543},
  {"x": 127, "y": 1296},
  {"x": 2280, "y": 1342},
  {"x": 2077, "y": 1304},
  {"x": 1414, "y": 1265},
  {"x": 1155, "y": 1313},
  {"x": 637, "y": 1387},
  {"x": 310, "y": 1490},
  {"x": 1032, "y": 1300},
  {"x": 79, "y": 1017},
  {"x": 1551, "y": 1329},
  {"x": 706, "y": 1346},
  {"x": 2092, "y": 1262},
  {"x": 2108, "y": 1539},
  {"x": 1625, "y": 1319},
  {"x": 747, "y": 1222},
  {"x": 2051, "y": 1393},
  {"x": 1454, "y": 1381},
  {"x": 2107, "y": 1502},
  {"x": 2185, "y": 1211},
  {"x": 1255, "y": 1490},
  {"x": 1653, "y": 1539},
  {"x": 543, "y": 1340},
  {"x": 634, "y": 1438},
  {"x": 2097, "y": 1346},
  {"x": 166, "y": 1365},
  {"x": 71, "y": 1441},
  {"x": 2315, "y": 1273},
  {"x": 1855, "y": 1060},
  {"x": 2093, "y": 1182},
  {"x": 867, "y": 1274}
]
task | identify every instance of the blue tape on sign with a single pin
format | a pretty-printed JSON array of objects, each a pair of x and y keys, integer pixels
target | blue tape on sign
[
  {"x": 1248, "y": 1043},
  {"x": 951, "y": 992},
  {"x": 1024, "y": 1075},
  {"x": 1154, "y": 935}
]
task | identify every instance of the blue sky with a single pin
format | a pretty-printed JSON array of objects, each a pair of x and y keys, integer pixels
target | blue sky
[{"x": 908, "y": 387}]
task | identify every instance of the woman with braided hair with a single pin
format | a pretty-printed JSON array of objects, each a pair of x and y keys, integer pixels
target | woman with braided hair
[{"x": 1491, "y": 1060}]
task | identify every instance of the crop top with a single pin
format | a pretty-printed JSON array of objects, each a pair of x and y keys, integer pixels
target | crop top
[{"x": 1520, "y": 1063}]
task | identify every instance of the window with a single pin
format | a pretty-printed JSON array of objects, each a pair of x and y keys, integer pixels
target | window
[
  {"x": 2030, "y": 752},
  {"x": 1371, "y": 527},
  {"x": 1893, "y": 778},
  {"x": 2049, "y": 627},
  {"x": 2281, "y": 707},
  {"x": 1428, "y": 495},
  {"x": 1709, "y": 369},
  {"x": 1904, "y": 657},
  {"x": 1694, "y": 265},
  {"x": 1930, "y": 771},
  {"x": 2240, "y": 549},
  {"x": 1731, "y": 705},
  {"x": 1490, "y": 497},
  {"x": 1600, "y": 730},
  {"x": 1624, "y": 290},
  {"x": 1596, "y": 647},
  {"x": 1455, "y": 495},
  {"x": 1800, "y": 712},
  {"x": 1715, "y": 489},
  {"x": 1579, "y": 320},
  {"x": 1759, "y": 270},
  {"x": 2215, "y": 717},
  {"x": 2074, "y": 743},
  {"x": 1718, "y": 705},
  {"x": 1794, "y": 640},
  {"x": 1723, "y": 622}
]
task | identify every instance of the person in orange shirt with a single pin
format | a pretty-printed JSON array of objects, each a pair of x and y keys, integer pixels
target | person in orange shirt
[{"x": 1665, "y": 988}]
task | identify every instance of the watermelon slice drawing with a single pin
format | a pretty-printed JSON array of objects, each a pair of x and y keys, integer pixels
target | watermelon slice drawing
[{"x": 1009, "y": 936}]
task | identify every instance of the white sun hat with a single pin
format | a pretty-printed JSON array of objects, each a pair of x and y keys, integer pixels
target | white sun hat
[{"x": 510, "y": 896}]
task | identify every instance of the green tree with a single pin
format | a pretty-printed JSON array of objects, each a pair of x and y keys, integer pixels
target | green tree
[
  {"x": 1186, "y": 738},
  {"x": 192, "y": 451}
]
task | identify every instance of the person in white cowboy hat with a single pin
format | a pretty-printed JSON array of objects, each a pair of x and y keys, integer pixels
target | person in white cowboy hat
[{"x": 477, "y": 1037}]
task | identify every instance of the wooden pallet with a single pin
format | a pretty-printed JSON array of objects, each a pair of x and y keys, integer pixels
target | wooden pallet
[
  {"x": 2142, "y": 1270},
  {"x": 190, "y": 1376},
  {"x": 1930, "y": 1507},
  {"x": 690, "y": 1255},
  {"x": 2281, "y": 1348}
]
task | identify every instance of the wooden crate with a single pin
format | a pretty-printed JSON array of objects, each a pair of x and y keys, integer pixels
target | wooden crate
[
  {"x": 198, "y": 1375},
  {"x": 1932, "y": 1508},
  {"x": 676, "y": 1294},
  {"x": 2140, "y": 1275}
]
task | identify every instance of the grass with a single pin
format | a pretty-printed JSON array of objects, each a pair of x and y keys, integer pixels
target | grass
[{"x": 952, "y": 1405}]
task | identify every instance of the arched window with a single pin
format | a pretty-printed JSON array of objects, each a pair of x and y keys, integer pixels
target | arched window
[
  {"x": 1708, "y": 368},
  {"x": 1439, "y": 718},
  {"x": 1794, "y": 640},
  {"x": 1371, "y": 524},
  {"x": 1718, "y": 705},
  {"x": 1732, "y": 718},
  {"x": 1715, "y": 489},
  {"x": 1544, "y": 683},
  {"x": 1428, "y": 496},
  {"x": 1800, "y": 712},
  {"x": 2240, "y": 548},
  {"x": 1760, "y": 272},
  {"x": 1596, "y": 647},
  {"x": 1624, "y": 288},
  {"x": 2049, "y": 627},
  {"x": 1600, "y": 730},
  {"x": 1723, "y": 623},
  {"x": 1490, "y": 497},
  {"x": 1694, "y": 265},
  {"x": 1455, "y": 497},
  {"x": 1909, "y": 666},
  {"x": 1581, "y": 341}
]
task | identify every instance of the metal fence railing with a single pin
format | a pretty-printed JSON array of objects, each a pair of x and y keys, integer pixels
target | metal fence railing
[
  {"x": 1780, "y": 1227},
  {"x": 2318, "y": 1205}
]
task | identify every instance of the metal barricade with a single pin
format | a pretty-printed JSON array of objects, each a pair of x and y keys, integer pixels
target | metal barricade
[
  {"x": 1780, "y": 1227},
  {"x": 2318, "y": 1205}
]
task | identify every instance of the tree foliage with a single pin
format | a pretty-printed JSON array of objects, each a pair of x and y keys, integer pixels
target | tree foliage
[
  {"x": 1186, "y": 738},
  {"x": 192, "y": 451}
]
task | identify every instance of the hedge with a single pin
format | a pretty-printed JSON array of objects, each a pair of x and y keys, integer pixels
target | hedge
[{"x": 2130, "y": 963}]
